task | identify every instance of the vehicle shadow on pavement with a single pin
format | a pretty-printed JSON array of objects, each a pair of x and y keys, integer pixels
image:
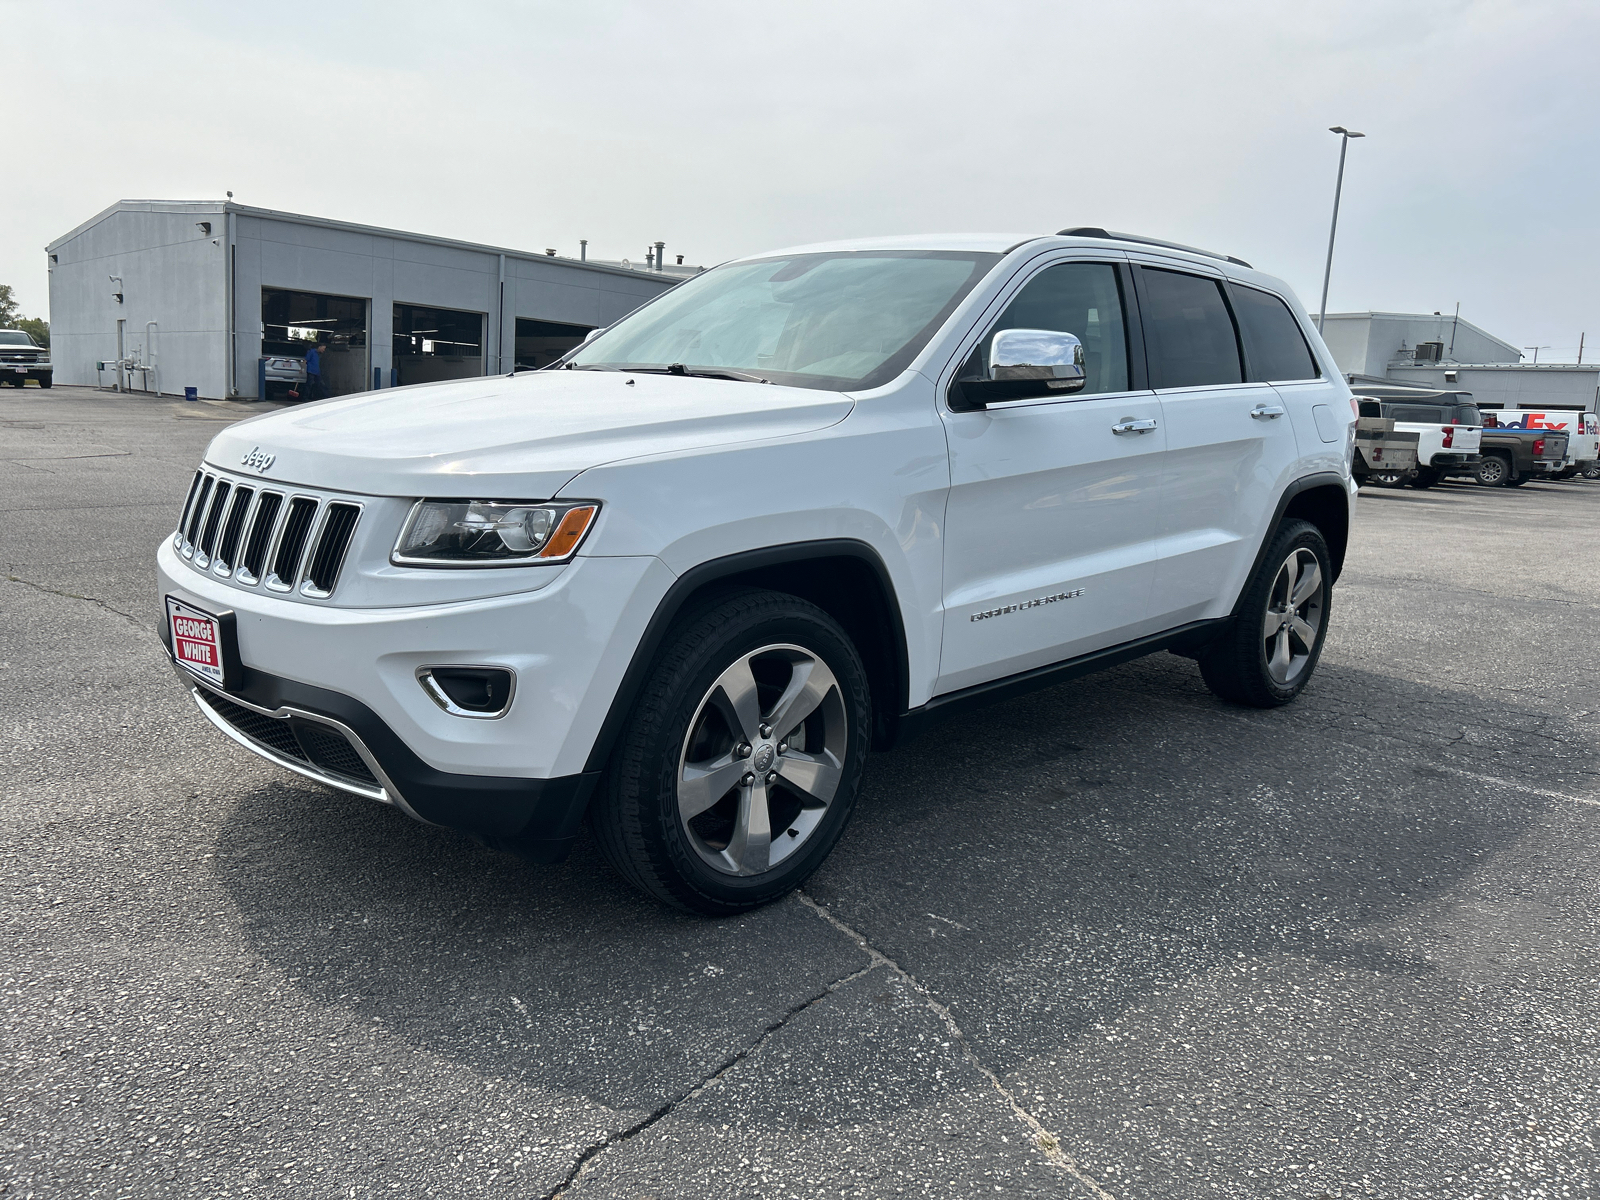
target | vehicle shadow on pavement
[
  {"x": 559, "y": 976},
  {"x": 1044, "y": 864}
]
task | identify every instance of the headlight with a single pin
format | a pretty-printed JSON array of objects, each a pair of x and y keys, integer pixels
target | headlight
[{"x": 491, "y": 533}]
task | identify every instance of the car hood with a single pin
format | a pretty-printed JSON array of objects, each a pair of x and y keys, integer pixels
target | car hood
[{"x": 504, "y": 437}]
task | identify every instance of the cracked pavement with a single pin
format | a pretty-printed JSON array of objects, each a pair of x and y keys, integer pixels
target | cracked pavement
[{"x": 1112, "y": 939}]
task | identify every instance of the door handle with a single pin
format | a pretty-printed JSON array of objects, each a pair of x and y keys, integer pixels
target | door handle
[
  {"x": 1130, "y": 426},
  {"x": 1262, "y": 412}
]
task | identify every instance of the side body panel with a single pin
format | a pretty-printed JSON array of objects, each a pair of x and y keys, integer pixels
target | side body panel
[{"x": 878, "y": 477}]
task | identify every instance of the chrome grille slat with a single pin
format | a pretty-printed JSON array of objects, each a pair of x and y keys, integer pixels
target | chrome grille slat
[
  {"x": 232, "y": 528},
  {"x": 286, "y": 540},
  {"x": 289, "y": 551},
  {"x": 208, "y": 528},
  {"x": 188, "y": 503},
  {"x": 269, "y": 506},
  {"x": 328, "y": 548},
  {"x": 195, "y": 514}
]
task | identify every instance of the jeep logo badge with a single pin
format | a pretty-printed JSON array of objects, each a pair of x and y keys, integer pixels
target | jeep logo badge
[{"x": 259, "y": 460}]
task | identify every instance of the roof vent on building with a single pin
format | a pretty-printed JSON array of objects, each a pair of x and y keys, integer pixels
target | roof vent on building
[{"x": 550, "y": 252}]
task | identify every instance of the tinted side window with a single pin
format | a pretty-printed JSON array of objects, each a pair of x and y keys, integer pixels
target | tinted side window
[
  {"x": 1423, "y": 413},
  {"x": 1082, "y": 299},
  {"x": 1272, "y": 338},
  {"x": 1189, "y": 335}
]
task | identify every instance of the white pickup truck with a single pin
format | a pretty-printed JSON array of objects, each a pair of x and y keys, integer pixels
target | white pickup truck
[{"x": 1449, "y": 431}]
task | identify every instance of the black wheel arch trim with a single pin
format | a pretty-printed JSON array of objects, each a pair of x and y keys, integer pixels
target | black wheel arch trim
[
  {"x": 886, "y": 716},
  {"x": 1304, "y": 484}
]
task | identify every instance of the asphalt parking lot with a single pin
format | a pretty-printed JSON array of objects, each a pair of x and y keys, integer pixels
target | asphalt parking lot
[{"x": 1113, "y": 939}]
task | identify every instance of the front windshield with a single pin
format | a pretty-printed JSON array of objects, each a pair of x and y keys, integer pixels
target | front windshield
[
  {"x": 847, "y": 320},
  {"x": 12, "y": 337}
]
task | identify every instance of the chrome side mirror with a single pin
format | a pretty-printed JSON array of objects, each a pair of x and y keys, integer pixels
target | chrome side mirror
[
  {"x": 1024, "y": 364},
  {"x": 1056, "y": 358}
]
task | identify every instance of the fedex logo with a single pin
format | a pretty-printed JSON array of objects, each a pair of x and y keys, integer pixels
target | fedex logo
[{"x": 1532, "y": 420}]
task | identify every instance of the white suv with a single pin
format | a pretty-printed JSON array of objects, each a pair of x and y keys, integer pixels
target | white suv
[{"x": 784, "y": 513}]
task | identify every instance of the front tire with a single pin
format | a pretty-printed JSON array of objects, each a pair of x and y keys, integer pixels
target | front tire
[
  {"x": 1268, "y": 654},
  {"x": 742, "y": 759}
]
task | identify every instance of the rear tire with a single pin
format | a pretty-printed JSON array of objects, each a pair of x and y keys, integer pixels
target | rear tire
[
  {"x": 1425, "y": 477},
  {"x": 717, "y": 800},
  {"x": 1493, "y": 470},
  {"x": 1388, "y": 479},
  {"x": 1272, "y": 646}
]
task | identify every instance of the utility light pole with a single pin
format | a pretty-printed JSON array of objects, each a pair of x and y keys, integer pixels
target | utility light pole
[
  {"x": 1536, "y": 350},
  {"x": 1344, "y": 144}
]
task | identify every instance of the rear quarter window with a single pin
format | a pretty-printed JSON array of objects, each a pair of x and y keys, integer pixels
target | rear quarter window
[{"x": 1275, "y": 349}]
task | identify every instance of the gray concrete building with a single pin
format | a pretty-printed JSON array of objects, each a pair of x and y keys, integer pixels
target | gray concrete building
[
  {"x": 1370, "y": 343},
  {"x": 196, "y": 293},
  {"x": 1445, "y": 353},
  {"x": 1509, "y": 385}
]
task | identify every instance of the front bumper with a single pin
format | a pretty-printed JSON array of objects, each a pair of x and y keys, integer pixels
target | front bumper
[
  {"x": 522, "y": 778},
  {"x": 338, "y": 741},
  {"x": 16, "y": 368}
]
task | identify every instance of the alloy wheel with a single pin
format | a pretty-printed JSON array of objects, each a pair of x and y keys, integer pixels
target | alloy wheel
[
  {"x": 1293, "y": 620},
  {"x": 763, "y": 760}
]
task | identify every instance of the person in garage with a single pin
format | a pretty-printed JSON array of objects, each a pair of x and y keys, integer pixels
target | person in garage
[{"x": 313, "y": 390}]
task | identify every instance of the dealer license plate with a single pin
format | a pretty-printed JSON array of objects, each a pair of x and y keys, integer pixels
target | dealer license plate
[
  {"x": 196, "y": 640},
  {"x": 20, "y": 370}
]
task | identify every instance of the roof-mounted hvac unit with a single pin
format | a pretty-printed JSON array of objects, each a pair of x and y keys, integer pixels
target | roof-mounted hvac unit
[{"x": 1428, "y": 352}]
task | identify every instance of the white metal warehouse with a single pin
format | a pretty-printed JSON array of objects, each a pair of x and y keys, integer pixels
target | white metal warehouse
[{"x": 196, "y": 293}]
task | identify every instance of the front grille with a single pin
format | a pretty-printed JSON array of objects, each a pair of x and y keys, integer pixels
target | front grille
[
  {"x": 249, "y": 534},
  {"x": 308, "y": 742}
]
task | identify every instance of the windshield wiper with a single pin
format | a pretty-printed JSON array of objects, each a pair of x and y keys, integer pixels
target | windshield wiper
[
  {"x": 715, "y": 373},
  {"x": 695, "y": 372}
]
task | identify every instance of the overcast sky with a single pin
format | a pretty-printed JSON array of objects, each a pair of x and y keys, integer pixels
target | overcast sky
[{"x": 727, "y": 128}]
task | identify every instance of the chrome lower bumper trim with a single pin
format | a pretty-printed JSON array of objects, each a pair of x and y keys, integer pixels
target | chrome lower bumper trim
[{"x": 387, "y": 793}]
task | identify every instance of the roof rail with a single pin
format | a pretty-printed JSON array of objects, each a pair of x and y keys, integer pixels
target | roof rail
[{"x": 1094, "y": 231}]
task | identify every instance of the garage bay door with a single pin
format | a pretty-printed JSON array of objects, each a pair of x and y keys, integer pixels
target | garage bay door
[
  {"x": 293, "y": 322},
  {"x": 431, "y": 344}
]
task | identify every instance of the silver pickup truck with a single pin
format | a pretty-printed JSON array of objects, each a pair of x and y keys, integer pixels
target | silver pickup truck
[{"x": 22, "y": 359}]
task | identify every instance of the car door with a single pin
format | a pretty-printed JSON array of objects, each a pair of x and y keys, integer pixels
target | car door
[
  {"x": 1276, "y": 352},
  {"x": 1228, "y": 444},
  {"x": 1050, "y": 519}
]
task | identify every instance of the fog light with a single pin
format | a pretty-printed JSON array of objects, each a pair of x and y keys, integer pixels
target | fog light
[{"x": 483, "y": 692}]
